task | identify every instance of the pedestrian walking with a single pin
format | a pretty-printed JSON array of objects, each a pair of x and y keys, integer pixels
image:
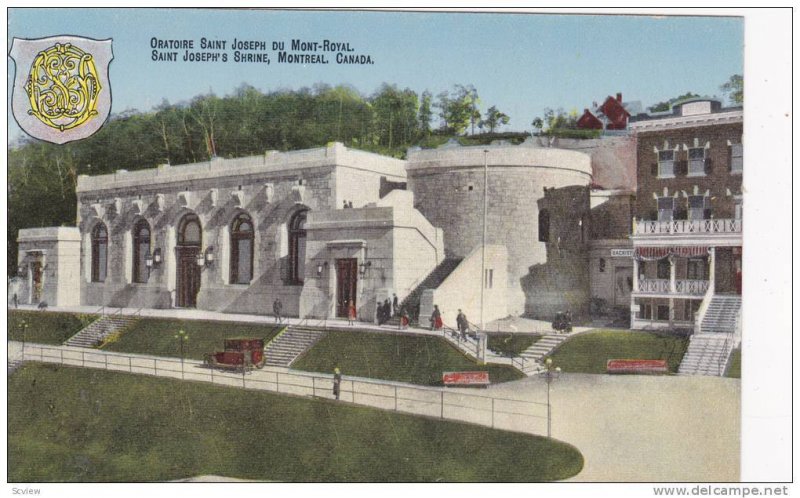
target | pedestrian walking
[
  {"x": 337, "y": 382},
  {"x": 436, "y": 318},
  {"x": 16, "y": 300},
  {"x": 387, "y": 310},
  {"x": 463, "y": 324},
  {"x": 351, "y": 313},
  {"x": 277, "y": 308},
  {"x": 403, "y": 319},
  {"x": 395, "y": 305}
]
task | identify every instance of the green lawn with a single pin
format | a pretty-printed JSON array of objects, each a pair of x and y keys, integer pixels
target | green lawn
[
  {"x": 588, "y": 353},
  {"x": 46, "y": 327},
  {"x": 390, "y": 356},
  {"x": 68, "y": 424},
  {"x": 735, "y": 368},
  {"x": 511, "y": 344},
  {"x": 157, "y": 336}
]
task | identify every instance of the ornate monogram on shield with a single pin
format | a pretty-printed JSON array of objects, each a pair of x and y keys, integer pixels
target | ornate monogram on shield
[{"x": 61, "y": 88}]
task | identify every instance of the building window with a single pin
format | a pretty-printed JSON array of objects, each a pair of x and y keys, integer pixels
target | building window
[
  {"x": 662, "y": 271},
  {"x": 488, "y": 278},
  {"x": 696, "y": 269},
  {"x": 602, "y": 265},
  {"x": 141, "y": 248},
  {"x": 662, "y": 312},
  {"x": 699, "y": 207},
  {"x": 544, "y": 225},
  {"x": 666, "y": 207},
  {"x": 737, "y": 154},
  {"x": 190, "y": 233},
  {"x": 645, "y": 311},
  {"x": 666, "y": 164},
  {"x": 242, "y": 250},
  {"x": 297, "y": 247},
  {"x": 99, "y": 253},
  {"x": 690, "y": 308},
  {"x": 697, "y": 161},
  {"x": 737, "y": 208}
]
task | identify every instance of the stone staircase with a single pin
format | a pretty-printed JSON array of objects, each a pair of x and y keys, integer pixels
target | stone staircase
[
  {"x": 534, "y": 356},
  {"x": 432, "y": 281},
  {"x": 93, "y": 334},
  {"x": 707, "y": 355},
  {"x": 721, "y": 314},
  {"x": 710, "y": 348},
  {"x": 289, "y": 344}
]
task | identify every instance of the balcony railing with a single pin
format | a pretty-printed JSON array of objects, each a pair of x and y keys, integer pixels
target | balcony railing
[
  {"x": 661, "y": 286},
  {"x": 719, "y": 225}
]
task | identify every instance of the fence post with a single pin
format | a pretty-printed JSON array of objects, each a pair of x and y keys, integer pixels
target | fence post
[
  {"x": 105, "y": 358},
  {"x": 441, "y": 409},
  {"x": 60, "y": 354},
  {"x": 492, "y": 413},
  {"x": 83, "y": 359},
  {"x": 395, "y": 398},
  {"x": 130, "y": 365},
  {"x": 314, "y": 387}
]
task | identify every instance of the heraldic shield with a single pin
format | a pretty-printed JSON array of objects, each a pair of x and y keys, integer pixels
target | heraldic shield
[{"x": 61, "y": 87}]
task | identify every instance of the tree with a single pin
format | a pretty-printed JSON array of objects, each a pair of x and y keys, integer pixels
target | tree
[
  {"x": 425, "y": 114},
  {"x": 537, "y": 124},
  {"x": 667, "y": 104},
  {"x": 559, "y": 119},
  {"x": 494, "y": 119},
  {"x": 734, "y": 89}
]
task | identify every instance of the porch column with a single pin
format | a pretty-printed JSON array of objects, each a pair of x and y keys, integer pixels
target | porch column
[
  {"x": 635, "y": 275},
  {"x": 672, "y": 289},
  {"x": 712, "y": 263}
]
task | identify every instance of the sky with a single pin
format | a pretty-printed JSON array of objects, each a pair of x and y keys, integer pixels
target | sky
[{"x": 521, "y": 63}]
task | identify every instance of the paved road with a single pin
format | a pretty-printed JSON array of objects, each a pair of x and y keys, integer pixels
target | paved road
[{"x": 645, "y": 428}]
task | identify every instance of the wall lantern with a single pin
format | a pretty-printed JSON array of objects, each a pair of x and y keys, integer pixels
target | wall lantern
[
  {"x": 148, "y": 259},
  {"x": 364, "y": 267},
  {"x": 157, "y": 256},
  {"x": 200, "y": 259},
  {"x": 210, "y": 256},
  {"x": 22, "y": 271},
  {"x": 321, "y": 267}
]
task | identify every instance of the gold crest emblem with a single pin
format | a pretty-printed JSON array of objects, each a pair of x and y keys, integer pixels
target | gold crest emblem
[{"x": 63, "y": 87}]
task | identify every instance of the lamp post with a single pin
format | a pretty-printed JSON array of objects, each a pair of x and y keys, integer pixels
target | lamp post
[
  {"x": 552, "y": 373},
  {"x": 23, "y": 327},
  {"x": 483, "y": 242},
  {"x": 182, "y": 337}
]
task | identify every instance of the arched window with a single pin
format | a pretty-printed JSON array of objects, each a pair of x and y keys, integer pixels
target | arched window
[
  {"x": 190, "y": 233},
  {"x": 99, "y": 253},
  {"x": 242, "y": 250},
  {"x": 141, "y": 248},
  {"x": 297, "y": 247},
  {"x": 544, "y": 225}
]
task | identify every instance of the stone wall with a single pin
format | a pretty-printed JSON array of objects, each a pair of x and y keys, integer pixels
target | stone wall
[
  {"x": 55, "y": 251},
  {"x": 448, "y": 185}
]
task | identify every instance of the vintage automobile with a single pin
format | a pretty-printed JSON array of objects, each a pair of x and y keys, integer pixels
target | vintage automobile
[
  {"x": 239, "y": 353},
  {"x": 563, "y": 322}
]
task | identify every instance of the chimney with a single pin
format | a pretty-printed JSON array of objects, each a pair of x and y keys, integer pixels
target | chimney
[
  {"x": 586, "y": 111},
  {"x": 619, "y": 97}
]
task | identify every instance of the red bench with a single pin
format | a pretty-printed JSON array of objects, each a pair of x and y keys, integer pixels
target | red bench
[
  {"x": 637, "y": 367},
  {"x": 465, "y": 378}
]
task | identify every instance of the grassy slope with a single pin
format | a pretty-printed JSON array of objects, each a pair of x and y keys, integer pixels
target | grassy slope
[
  {"x": 46, "y": 327},
  {"x": 71, "y": 424},
  {"x": 390, "y": 356},
  {"x": 735, "y": 368},
  {"x": 511, "y": 344},
  {"x": 589, "y": 353},
  {"x": 157, "y": 336}
]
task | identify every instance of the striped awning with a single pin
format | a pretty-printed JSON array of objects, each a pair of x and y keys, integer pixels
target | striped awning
[{"x": 654, "y": 253}]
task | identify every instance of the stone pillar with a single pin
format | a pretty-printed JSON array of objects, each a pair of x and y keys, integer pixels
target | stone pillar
[
  {"x": 672, "y": 268},
  {"x": 712, "y": 263},
  {"x": 635, "y": 275}
]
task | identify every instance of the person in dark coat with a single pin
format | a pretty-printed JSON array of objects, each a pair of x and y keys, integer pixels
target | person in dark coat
[
  {"x": 395, "y": 305},
  {"x": 277, "y": 308},
  {"x": 337, "y": 382},
  {"x": 387, "y": 310},
  {"x": 463, "y": 324},
  {"x": 436, "y": 318}
]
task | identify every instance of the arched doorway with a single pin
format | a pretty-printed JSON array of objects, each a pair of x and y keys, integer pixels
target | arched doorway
[{"x": 190, "y": 240}]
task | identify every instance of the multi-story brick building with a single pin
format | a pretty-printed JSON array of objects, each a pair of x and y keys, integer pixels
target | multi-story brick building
[{"x": 687, "y": 226}]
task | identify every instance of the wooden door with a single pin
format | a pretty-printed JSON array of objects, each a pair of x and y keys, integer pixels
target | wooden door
[
  {"x": 188, "y": 277},
  {"x": 36, "y": 282},
  {"x": 346, "y": 284}
]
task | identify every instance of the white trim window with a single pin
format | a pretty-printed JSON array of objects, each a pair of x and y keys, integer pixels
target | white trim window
[
  {"x": 737, "y": 159},
  {"x": 699, "y": 207},
  {"x": 666, "y": 208},
  {"x": 697, "y": 161},
  {"x": 666, "y": 163}
]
